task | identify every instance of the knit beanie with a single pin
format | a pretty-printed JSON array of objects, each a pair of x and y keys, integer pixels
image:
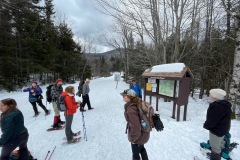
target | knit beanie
[
  {"x": 217, "y": 93},
  {"x": 34, "y": 82},
  {"x": 59, "y": 80}
]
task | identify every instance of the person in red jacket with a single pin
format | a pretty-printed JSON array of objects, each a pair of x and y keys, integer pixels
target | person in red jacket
[{"x": 72, "y": 106}]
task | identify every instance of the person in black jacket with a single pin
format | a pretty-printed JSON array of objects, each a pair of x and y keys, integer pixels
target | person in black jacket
[
  {"x": 14, "y": 133},
  {"x": 218, "y": 121}
]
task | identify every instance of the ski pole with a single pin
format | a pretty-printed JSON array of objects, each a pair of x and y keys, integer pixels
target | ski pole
[
  {"x": 51, "y": 153},
  {"x": 84, "y": 127},
  {"x": 47, "y": 155}
]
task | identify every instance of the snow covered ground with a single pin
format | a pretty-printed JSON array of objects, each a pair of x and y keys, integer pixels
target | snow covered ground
[{"x": 105, "y": 127}]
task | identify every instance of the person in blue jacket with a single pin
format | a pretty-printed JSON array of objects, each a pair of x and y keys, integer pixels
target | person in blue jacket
[
  {"x": 14, "y": 133},
  {"x": 35, "y": 96},
  {"x": 137, "y": 88}
]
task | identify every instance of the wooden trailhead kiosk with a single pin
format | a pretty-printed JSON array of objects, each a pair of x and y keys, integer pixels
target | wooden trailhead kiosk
[{"x": 171, "y": 82}]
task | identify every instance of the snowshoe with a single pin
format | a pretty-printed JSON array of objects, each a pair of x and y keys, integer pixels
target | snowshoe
[
  {"x": 74, "y": 140},
  {"x": 232, "y": 146},
  {"x": 56, "y": 128}
]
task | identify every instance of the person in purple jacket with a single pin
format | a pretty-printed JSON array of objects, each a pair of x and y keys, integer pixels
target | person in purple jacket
[{"x": 35, "y": 97}]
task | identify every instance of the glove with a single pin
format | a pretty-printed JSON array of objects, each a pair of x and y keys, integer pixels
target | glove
[{"x": 157, "y": 122}]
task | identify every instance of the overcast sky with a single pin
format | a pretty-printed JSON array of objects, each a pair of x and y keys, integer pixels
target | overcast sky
[{"x": 84, "y": 20}]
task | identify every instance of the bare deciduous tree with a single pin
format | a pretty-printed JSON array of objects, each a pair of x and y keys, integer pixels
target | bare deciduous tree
[{"x": 235, "y": 83}]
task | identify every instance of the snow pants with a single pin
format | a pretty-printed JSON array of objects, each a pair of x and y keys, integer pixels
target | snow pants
[
  {"x": 86, "y": 101},
  {"x": 68, "y": 128},
  {"x": 39, "y": 102},
  {"x": 138, "y": 149},
  {"x": 55, "y": 108},
  {"x": 21, "y": 142},
  {"x": 216, "y": 143}
]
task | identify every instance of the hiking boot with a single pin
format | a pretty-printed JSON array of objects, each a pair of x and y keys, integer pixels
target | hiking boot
[
  {"x": 76, "y": 134},
  {"x": 47, "y": 112},
  {"x": 36, "y": 114},
  {"x": 215, "y": 156},
  {"x": 82, "y": 110},
  {"x": 56, "y": 126},
  {"x": 61, "y": 123},
  {"x": 90, "y": 108}
]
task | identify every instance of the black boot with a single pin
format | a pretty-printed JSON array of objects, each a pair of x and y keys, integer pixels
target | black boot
[
  {"x": 215, "y": 156},
  {"x": 82, "y": 109},
  {"x": 36, "y": 114},
  {"x": 60, "y": 122},
  {"x": 47, "y": 112}
]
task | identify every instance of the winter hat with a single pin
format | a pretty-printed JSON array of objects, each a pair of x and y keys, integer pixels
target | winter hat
[
  {"x": 59, "y": 80},
  {"x": 87, "y": 80},
  {"x": 128, "y": 92},
  {"x": 217, "y": 93},
  {"x": 34, "y": 82}
]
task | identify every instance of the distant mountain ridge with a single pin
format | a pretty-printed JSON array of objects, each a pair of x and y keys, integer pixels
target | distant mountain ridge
[{"x": 107, "y": 55}]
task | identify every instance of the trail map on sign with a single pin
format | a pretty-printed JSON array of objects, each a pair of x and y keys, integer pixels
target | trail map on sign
[{"x": 166, "y": 87}]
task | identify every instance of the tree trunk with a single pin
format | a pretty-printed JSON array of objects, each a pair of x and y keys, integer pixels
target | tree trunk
[{"x": 234, "y": 96}]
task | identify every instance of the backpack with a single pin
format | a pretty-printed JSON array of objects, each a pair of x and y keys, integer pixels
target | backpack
[
  {"x": 148, "y": 118},
  {"x": 79, "y": 92},
  {"x": 61, "y": 103},
  {"x": 48, "y": 93}
]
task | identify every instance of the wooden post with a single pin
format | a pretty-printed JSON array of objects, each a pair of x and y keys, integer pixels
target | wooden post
[
  {"x": 185, "y": 113},
  {"x": 157, "y": 103},
  {"x": 178, "y": 112},
  {"x": 174, "y": 110}
]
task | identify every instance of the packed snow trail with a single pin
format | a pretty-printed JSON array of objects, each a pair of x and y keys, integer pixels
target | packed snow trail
[{"x": 105, "y": 128}]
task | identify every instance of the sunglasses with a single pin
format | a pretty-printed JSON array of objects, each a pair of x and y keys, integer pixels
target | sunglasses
[{"x": 126, "y": 91}]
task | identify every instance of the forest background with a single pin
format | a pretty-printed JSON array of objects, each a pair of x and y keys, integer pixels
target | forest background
[{"x": 205, "y": 35}]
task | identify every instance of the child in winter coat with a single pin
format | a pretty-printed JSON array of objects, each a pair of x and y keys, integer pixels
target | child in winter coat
[
  {"x": 136, "y": 137},
  {"x": 218, "y": 121},
  {"x": 35, "y": 96},
  {"x": 14, "y": 133},
  {"x": 72, "y": 106}
]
